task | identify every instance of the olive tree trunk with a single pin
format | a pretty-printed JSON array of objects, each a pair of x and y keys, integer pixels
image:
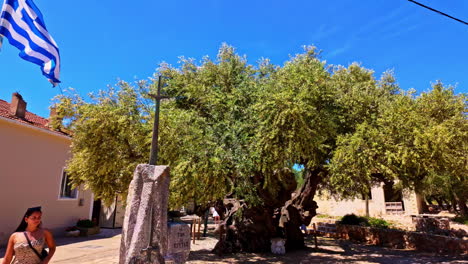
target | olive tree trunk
[{"x": 250, "y": 228}]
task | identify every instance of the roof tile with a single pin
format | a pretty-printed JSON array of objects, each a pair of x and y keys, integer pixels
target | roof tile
[{"x": 30, "y": 118}]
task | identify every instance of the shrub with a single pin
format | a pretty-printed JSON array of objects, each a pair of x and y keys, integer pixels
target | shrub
[
  {"x": 324, "y": 216},
  {"x": 85, "y": 223},
  {"x": 352, "y": 219},
  {"x": 378, "y": 223}
]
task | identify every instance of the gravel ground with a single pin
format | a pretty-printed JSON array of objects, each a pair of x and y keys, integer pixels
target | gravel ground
[{"x": 329, "y": 251}]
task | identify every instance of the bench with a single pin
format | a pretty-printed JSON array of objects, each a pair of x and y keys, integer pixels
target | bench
[
  {"x": 394, "y": 208},
  {"x": 323, "y": 227}
]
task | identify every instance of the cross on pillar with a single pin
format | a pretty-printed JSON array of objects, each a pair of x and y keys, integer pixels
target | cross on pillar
[
  {"x": 153, "y": 160},
  {"x": 154, "y": 142}
]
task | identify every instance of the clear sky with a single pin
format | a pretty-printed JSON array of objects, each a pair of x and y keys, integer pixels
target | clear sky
[{"x": 102, "y": 41}]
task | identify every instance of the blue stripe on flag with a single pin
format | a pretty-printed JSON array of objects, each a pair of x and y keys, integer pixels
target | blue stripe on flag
[
  {"x": 13, "y": 3},
  {"x": 36, "y": 10},
  {"x": 36, "y": 31}
]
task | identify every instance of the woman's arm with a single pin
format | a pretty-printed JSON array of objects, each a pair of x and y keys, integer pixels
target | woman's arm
[
  {"x": 49, "y": 239},
  {"x": 10, "y": 250}
]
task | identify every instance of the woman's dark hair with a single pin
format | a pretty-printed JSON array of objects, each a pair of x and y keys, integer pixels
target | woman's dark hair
[{"x": 22, "y": 226}]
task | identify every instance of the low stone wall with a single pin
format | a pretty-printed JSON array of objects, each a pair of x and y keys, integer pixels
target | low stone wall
[{"x": 404, "y": 239}]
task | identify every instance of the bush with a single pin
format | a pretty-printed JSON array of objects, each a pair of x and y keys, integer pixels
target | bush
[
  {"x": 352, "y": 219},
  {"x": 378, "y": 223},
  {"x": 85, "y": 223},
  {"x": 324, "y": 216}
]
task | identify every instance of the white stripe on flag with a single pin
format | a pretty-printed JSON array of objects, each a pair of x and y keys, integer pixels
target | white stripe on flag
[
  {"x": 33, "y": 16},
  {"x": 27, "y": 48},
  {"x": 17, "y": 17}
]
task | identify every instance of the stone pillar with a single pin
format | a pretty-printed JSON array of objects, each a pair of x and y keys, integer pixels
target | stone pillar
[
  {"x": 377, "y": 204},
  {"x": 412, "y": 203},
  {"x": 148, "y": 190}
]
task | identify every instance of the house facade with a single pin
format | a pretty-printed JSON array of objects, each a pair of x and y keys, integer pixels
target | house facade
[
  {"x": 32, "y": 163},
  {"x": 382, "y": 201}
]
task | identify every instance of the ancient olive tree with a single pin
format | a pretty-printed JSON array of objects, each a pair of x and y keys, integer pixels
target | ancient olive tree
[{"x": 232, "y": 132}]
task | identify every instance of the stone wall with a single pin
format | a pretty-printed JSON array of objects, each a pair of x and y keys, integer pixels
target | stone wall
[
  {"x": 404, "y": 239},
  {"x": 431, "y": 225}
]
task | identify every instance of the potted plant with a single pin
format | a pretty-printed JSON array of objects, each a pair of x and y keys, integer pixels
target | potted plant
[
  {"x": 87, "y": 227},
  {"x": 72, "y": 231}
]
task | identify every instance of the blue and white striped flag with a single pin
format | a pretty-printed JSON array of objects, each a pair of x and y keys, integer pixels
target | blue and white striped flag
[{"x": 22, "y": 24}]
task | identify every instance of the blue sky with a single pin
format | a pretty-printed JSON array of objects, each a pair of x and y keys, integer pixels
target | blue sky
[{"x": 103, "y": 41}]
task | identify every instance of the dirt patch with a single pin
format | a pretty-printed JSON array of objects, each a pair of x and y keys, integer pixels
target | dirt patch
[{"x": 329, "y": 251}]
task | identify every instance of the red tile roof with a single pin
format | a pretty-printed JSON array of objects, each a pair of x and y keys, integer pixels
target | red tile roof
[{"x": 30, "y": 118}]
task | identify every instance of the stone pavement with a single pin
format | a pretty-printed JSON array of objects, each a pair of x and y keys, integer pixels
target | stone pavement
[{"x": 104, "y": 249}]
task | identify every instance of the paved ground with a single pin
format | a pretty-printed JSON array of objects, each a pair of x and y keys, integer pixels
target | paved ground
[{"x": 104, "y": 249}]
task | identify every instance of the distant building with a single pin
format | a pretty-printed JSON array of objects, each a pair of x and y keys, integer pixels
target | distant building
[
  {"x": 32, "y": 162},
  {"x": 383, "y": 200}
]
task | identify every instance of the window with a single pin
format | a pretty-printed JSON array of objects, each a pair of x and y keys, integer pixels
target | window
[{"x": 66, "y": 190}]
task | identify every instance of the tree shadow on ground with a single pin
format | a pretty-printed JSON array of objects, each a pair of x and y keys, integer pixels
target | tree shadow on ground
[
  {"x": 105, "y": 233},
  {"x": 329, "y": 251}
]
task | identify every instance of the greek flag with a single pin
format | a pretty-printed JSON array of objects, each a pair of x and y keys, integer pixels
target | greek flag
[{"x": 22, "y": 24}]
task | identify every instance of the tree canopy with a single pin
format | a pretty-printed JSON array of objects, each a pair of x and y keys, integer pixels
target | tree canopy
[{"x": 231, "y": 128}]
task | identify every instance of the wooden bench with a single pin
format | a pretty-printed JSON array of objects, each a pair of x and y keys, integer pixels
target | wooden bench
[
  {"x": 394, "y": 208},
  {"x": 323, "y": 227}
]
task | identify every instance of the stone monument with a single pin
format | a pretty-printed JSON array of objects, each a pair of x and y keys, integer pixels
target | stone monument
[
  {"x": 146, "y": 216},
  {"x": 178, "y": 243}
]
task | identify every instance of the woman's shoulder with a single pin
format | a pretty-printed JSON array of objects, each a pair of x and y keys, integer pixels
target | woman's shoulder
[{"x": 16, "y": 235}]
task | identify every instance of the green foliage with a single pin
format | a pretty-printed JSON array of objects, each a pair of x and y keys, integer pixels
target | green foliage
[
  {"x": 378, "y": 223},
  {"x": 326, "y": 216},
  {"x": 231, "y": 128},
  {"x": 110, "y": 137},
  {"x": 421, "y": 142},
  {"x": 299, "y": 176},
  {"x": 85, "y": 223}
]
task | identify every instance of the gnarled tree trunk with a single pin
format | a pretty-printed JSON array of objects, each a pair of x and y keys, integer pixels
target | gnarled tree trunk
[
  {"x": 301, "y": 208},
  {"x": 250, "y": 228}
]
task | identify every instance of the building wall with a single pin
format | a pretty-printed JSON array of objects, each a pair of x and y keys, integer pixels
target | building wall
[
  {"x": 335, "y": 207},
  {"x": 328, "y": 205},
  {"x": 112, "y": 216},
  {"x": 31, "y": 163}
]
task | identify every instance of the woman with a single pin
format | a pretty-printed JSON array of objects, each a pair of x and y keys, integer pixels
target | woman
[{"x": 30, "y": 229}]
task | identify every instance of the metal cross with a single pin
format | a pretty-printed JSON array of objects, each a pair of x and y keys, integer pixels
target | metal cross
[{"x": 154, "y": 142}]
